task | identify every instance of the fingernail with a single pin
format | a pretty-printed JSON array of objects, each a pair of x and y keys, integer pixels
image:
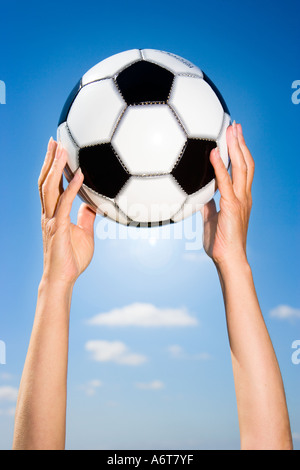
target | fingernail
[
  {"x": 50, "y": 143},
  {"x": 239, "y": 128},
  {"x": 78, "y": 174},
  {"x": 217, "y": 152},
  {"x": 234, "y": 130}
]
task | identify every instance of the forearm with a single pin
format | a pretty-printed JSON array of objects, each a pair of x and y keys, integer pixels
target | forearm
[
  {"x": 41, "y": 406},
  {"x": 262, "y": 410}
]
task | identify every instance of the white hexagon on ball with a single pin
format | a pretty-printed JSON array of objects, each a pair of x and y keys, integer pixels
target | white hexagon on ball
[
  {"x": 197, "y": 106},
  {"x": 149, "y": 139},
  {"x": 152, "y": 199},
  {"x": 95, "y": 113}
]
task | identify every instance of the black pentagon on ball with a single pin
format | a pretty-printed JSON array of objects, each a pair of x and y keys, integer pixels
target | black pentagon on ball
[
  {"x": 194, "y": 171},
  {"x": 144, "y": 82},
  {"x": 102, "y": 169}
]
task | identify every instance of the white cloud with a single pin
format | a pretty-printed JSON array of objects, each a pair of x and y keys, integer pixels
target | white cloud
[
  {"x": 175, "y": 350},
  {"x": 204, "y": 356},
  {"x": 95, "y": 383},
  {"x": 284, "y": 312},
  {"x": 113, "y": 351},
  {"x": 178, "y": 352},
  {"x": 91, "y": 386},
  {"x": 146, "y": 315},
  {"x": 154, "y": 385},
  {"x": 8, "y": 393}
]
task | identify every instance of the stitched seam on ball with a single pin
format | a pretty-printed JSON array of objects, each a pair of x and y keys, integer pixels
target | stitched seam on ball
[
  {"x": 203, "y": 187},
  {"x": 149, "y": 103},
  {"x": 107, "y": 77},
  {"x": 180, "y": 156},
  {"x": 190, "y": 75},
  {"x": 150, "y": 175},
  {"x": 117, "y": 208},
  {"x": 122, "y": 188},
  {"x": 181, "y": 207},
  {"x": 171, "y": 88},
  {"x": 183, "y": 150},
  {"x": 125, "y": 67},
  {"x": 118, "y": 122},
  {"x": 178, "y": 184},
  {"x": 119, "y": 158},
  {"x": 75, "y": 143},
  {"x": 165, "y": 67},
  {"x": 117, "y": 86},
  {"x": 97, "y": 80},
  {"x": 98, "y": 194},
  {"x": 178, "y": 119},
  {"x": 122, "y": 212}
]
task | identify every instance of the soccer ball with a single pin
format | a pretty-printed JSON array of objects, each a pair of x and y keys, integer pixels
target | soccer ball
[{"x": 141, "y": 125}]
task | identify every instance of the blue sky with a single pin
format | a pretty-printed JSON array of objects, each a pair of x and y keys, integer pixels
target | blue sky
[{"x": 161, "y": 386}]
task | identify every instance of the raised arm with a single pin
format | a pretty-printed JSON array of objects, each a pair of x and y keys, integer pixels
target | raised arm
[
  {"x": 262, "y": 410},
  {"x": 40, "y": 418}
]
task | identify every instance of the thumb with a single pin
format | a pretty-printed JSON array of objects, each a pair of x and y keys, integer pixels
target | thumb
[{"x": 85, "y": 219}]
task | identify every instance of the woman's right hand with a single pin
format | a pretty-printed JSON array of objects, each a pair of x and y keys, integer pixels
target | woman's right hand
[{"x": 225, "y": 232}]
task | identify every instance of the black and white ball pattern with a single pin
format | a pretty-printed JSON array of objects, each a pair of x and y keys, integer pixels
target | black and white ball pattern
[{"x": 141, "y": 125}]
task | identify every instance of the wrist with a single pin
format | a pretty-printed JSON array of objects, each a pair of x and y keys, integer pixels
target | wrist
[
  {"x": 232, "y": 266},
  {"x": 58, "y": 287},
  {"x": 54, "y": 300}
]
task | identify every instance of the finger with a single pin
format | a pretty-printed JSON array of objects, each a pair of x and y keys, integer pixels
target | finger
[
  {"x": 86, "y": 218},
  {"x": 52, "y": 186},
  {"x": 48, "y": 160},
  {"x": 65, "y": 202},
  {"x": 222, "y": 176},
  {"x": 239, "y": 167},
  {"x": 248, "y": 158},
  {"x": 46, "y": 166}
]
